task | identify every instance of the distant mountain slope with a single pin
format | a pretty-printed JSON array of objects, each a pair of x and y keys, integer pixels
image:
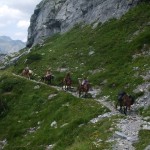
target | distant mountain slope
[{"x": 7, "y": 45}]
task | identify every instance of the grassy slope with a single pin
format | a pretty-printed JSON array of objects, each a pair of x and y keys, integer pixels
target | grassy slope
[
  {"x": 28, "y": 108},
  {"x": 112, "y": 52},
  {"x": 114, "y": 43}
]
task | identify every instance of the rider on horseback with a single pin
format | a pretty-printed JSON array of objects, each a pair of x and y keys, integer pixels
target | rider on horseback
[
  {"x": 26, "y": 69},
  {"x": 48, "y": 73},
  {"x": 67, "y": 81},
  {"x": 84, "y": 82},
  {"x": 68, "y": 77},
  {"x": 83, "y": 86},
  {"x": 125, "y": 101}
]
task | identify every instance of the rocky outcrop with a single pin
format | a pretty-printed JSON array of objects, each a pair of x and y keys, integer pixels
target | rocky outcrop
[{"x": 58, "y": 16}]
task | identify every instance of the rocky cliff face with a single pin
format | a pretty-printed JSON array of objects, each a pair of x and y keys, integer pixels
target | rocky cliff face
[{"x": 58, "y": 16}]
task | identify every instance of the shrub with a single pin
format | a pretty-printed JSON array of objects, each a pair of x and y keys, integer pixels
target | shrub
[
  {"x": 7, "y": 85},
  {"x": 33, "y": 57}
]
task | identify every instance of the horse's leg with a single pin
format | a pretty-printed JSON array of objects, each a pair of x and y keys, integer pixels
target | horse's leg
[
  {"x": 121, "y": 107},
  {"x": 86, "y": 93},
  {"x": 69, "y": 87},
  {"x": 29, "y": 77},
  {"x": 116, "y": 104},
  {"x": 120, "y": 104},
  {"x": 49, "y": 81},
  {"x": 79, "y": 92},
  {"x": 125, "y": 110},
  {"x": 129, "y": 105},
  {"x": 65, "y": 87}
]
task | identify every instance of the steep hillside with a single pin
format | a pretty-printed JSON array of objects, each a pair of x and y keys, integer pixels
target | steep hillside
[
  {"x": 114, "y": 56},
  {"x": 35, "y": 116}
]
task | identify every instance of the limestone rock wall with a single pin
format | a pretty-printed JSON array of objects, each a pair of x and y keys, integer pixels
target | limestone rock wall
[{"x": 58, "y": 16}]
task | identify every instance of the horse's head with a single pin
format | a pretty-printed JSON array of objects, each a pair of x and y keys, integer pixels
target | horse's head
[{"x": 80, "y": 81}]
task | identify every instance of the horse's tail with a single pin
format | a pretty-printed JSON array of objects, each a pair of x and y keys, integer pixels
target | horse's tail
[{"x": 132, "y": 99}]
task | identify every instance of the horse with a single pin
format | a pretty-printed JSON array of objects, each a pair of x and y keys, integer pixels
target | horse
[
  {"x": 66, "y": 83},
  {"x": 125, "y": 101},
  {"x": 83, "y": 88},
  {"x": 47, "y": 79},
  {"x": 27, "y": 73}
]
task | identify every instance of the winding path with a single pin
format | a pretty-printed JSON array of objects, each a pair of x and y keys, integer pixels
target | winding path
[{"x": 128, "y": 128}]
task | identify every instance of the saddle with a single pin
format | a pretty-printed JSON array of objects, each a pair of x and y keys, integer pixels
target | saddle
[
  {"x": 67, "y": 80},
  {"x": 85, "y": 86},
  {"x": 48, "y": 77}
]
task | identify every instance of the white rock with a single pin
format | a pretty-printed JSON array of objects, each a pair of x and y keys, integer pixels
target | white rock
[
  {"x": 36, "y": 87},
  {"x": 54, "y": 124}
]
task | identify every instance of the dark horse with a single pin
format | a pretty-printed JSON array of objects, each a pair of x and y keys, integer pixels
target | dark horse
[
  {"x": 83, "y": 89},
  {"x": 66, "y": 84},
  {"x": 47, "y": 79},
  {"x": 125, "y": 101}
]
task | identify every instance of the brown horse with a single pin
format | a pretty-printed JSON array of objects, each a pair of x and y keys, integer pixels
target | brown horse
[
  {"x": 83, "y": 89},
  {"x": 66, "y": 84},
  {"x": 27, "y": 73},
  {"x": 126, "y": 101},
  {"x": 47, "y": 79}
]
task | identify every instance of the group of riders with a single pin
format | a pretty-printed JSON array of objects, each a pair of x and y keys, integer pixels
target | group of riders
[
  {"x": 123, "y": 98},
  {"x": 67, "y": 80}
]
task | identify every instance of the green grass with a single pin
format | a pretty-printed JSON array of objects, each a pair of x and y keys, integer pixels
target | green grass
[
  {"x": 28, "y": 108},
  {"x": 110, "y": 67},
  {"x": 144, "y": 136}
]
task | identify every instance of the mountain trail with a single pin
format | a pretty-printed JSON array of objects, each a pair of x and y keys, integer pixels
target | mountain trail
[{"x": 128, "y": 127}]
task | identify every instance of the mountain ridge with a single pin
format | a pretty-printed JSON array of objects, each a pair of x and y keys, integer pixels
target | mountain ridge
[{"x": 7, "y": 45}]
